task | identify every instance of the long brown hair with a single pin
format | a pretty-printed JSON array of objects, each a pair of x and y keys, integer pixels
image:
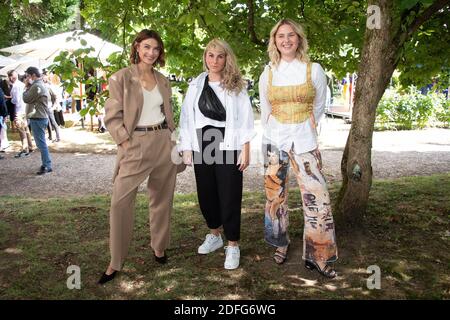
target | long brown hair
[{"x": 143, "y": 35}]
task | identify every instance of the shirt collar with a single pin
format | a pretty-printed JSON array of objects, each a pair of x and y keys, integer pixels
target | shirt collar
[{"x": 285, "y": 66}]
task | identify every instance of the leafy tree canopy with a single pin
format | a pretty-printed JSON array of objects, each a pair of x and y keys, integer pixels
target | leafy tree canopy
[
  {"x": 335, "y": 31},
  {"x": 23, "y": 20}
]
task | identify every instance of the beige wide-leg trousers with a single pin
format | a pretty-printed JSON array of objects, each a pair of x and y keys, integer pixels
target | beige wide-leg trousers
[{"x": 147, "y": 155}]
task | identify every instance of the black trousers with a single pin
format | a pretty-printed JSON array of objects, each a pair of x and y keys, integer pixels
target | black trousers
[
  {"x": 11, "y": 110},
  {"x": 59, "y": 117},
  {"x": 219, "y": 183}
]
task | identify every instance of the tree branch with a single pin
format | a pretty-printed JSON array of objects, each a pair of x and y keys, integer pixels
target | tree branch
[
  {"x": 406, "y": 13},
  {"x": 251, "y": 24},
  {"x": 302, "y": 10},
  {"x": 211, "y": 32},
  {"x": 426, "y": 15},
  {"x": 402, "y": 36},
  {"x": 124, "y": 32}
]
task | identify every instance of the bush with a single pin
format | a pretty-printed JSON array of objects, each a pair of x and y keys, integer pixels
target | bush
[
  {"x": 412, "y": 111},
  {"x": 442, "y": 113},
  {"x": 176, "y": 105}
]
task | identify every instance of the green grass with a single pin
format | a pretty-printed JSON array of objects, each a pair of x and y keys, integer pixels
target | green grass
[{"x": 406, "y": 234}]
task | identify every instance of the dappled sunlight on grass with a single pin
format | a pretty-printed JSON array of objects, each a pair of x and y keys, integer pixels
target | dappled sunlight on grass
[
  {"x": 236, "y": 274},
  {"x": 40, "y": 238},
  {"x": 130, "y": 286},
  {"x": 190, "y": 297},
  {"x": 13, "y": 250},
  {"x": 169, "y": 272},
  {"x": 187, "y": 204},
  {"x": 226, "y": 279},
  {"x": 231, "y": 297},
  {"x": 335, "y": 284},
  {"x": 330, "y": 287},
  {"x": 356, "y": 271},
  {"x": 306, "y": 282},
  {"x": 276, "y": 286},
  {"x": 401, "y": 268}
]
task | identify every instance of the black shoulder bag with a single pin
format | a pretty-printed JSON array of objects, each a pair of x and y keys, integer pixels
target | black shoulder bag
[{"x": 210, "y": 105}]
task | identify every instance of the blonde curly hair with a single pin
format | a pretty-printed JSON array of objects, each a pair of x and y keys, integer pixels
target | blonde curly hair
[
  {"x": 302, "y": 50},
  {"x": 231, "y": 75}
]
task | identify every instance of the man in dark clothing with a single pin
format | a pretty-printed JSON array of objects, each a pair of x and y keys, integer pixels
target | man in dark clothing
[{"x": 36, "y": 97}]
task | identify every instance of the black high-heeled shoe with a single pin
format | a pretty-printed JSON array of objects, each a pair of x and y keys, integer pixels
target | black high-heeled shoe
[
  {"x": 107, "y": 277},
  {"x": 327, "y": 271},
  {"x": 161, "y": 260}
]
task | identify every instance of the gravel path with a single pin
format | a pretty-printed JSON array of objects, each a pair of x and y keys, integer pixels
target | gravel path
[{"x": 395, "y": 154}]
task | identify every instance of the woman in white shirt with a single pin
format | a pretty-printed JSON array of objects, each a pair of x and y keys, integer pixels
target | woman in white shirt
[
  {"x": 293, "y": 96},
  {"x": 217, "y": 142}
]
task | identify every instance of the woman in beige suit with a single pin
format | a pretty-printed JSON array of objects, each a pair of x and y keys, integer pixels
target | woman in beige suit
[{"x": 138, "y": 114}]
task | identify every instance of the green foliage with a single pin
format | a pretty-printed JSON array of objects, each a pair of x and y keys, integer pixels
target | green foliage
[
  {"x": 25, "y": 20},
  {"x": 76, "y": 67},
  {"x": 335, "y": 31},
  {"x": 426, "y": 55},
  {"x": 187, "y": 26},
  {"x": 412, "y": 111},
  {"x": 442, "y": 113},
  {"x": 176, "y": 105},
  {"x": 334, "y": 28}
]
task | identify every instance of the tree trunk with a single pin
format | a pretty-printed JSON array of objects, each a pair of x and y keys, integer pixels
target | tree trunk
[
  {"x": 375, "y": 70},
  {"x": 80, "y": 21},
  {"x": 379, "y": 58}
]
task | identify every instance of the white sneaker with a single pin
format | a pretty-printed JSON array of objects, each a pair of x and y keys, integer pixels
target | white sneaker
[
  {"x": 233, "y": 255},
  {"x": 211, "y": 243}
]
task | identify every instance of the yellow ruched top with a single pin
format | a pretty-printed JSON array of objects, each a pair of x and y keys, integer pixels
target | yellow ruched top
[{"x": 292, "y": 104}]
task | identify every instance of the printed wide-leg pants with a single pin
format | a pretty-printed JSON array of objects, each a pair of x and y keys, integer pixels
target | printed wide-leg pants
[{"x": 319, "y": 240}]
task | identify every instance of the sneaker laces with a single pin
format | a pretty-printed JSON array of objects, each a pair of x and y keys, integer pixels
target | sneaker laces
[
  {"x": 210, "y": 238},
  {"x": 232, "y": 250}
]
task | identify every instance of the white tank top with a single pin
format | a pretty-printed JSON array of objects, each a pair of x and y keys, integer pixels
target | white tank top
[{"x": 151, "y": 110}]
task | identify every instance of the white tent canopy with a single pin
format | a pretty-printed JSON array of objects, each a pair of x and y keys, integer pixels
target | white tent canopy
[
  {"x": 4, "y": 61},
  {"x": 43, "y": 51},
  {"x": 21, "y": 63}
]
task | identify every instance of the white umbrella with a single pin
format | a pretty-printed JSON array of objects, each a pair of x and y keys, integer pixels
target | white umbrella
[{"x": 23, "y": 63}]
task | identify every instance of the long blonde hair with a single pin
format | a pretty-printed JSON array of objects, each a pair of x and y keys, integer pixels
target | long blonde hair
[
  {"x": 231, "y": 75},
  {"x": 302, "y": 50}
]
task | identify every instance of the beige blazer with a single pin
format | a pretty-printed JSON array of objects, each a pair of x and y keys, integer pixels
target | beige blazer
[{"x": 123, "y": 108}]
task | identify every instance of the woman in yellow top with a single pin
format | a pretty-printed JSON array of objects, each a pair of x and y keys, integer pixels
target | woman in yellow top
[{"x": 293, "y": 95}]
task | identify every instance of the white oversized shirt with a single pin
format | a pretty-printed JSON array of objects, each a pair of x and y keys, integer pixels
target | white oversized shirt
[
  {"x": 301, "y": 135},
  {"x": 239, "y": 126}
]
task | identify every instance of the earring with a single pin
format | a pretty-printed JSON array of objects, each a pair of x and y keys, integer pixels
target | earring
[{"x": 136, "y": 57}]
